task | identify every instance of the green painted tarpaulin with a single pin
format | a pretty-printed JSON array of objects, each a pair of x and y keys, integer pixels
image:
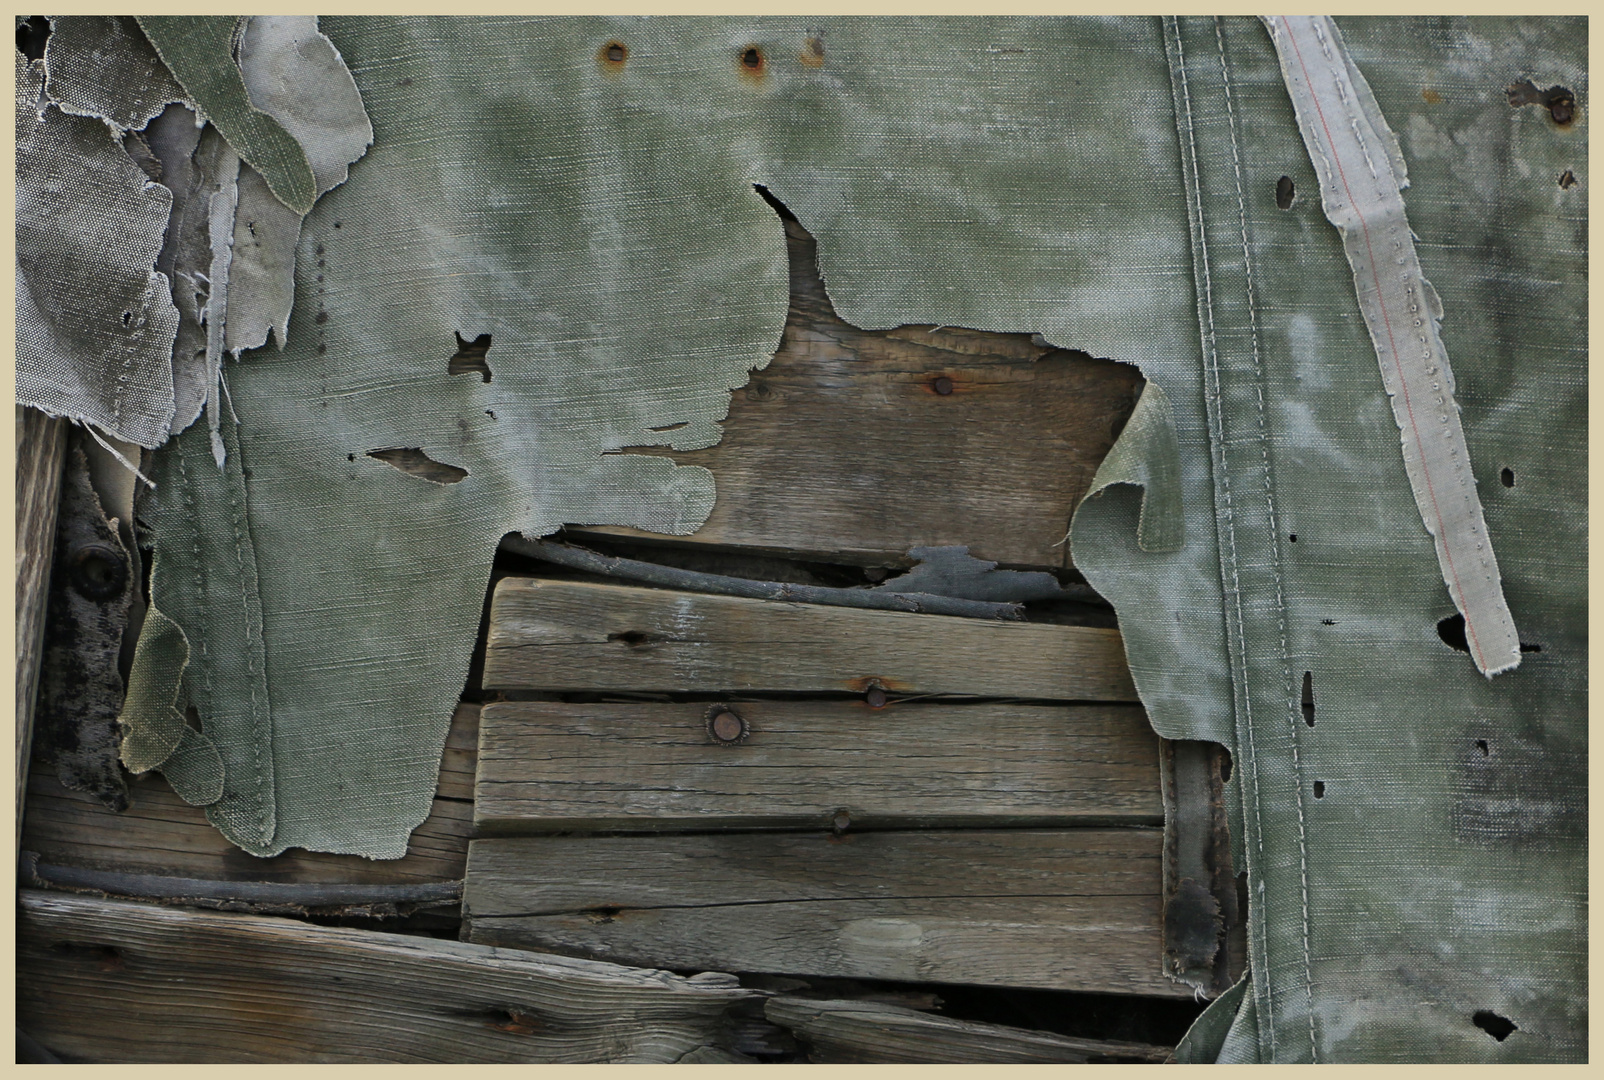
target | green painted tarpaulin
[{"x": 585, "y": 192}]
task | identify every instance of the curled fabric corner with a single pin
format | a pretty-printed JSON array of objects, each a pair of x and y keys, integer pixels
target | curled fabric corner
[
  {"x": 1362, "y": 175},
  {"x": 1147, "y": 455},
  {"x": 1206, "y": 1038},
  {"x": 195, "y": 769},
  {"x": 199, "y": 51},
  {"x": 151, "y": 723}
]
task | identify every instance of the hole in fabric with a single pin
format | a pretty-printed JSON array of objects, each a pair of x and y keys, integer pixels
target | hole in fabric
[
  {"x": 1452, "y": 631},
  {"x": 1308, "y": 698},
  {"x": 1493, "y": 1024},
  {"x": 752, "y": 57},
  {"x": 1559, "y": 101},
  {"x": 1567, "y": 180},
  {"x": 32, "y": 33},
  {"x": 1481, "y": 744},
  {"x": 1225, "y": 766},
  {"x": 671, "y": 427},
  {"x": 337, "y": 224},
  {"x": 633, "y": 638},
  {"x": 813, "y": 52},
  {"x": 613, "y": 54},
  {"x": 350, "y": 457},
  {"x": 1529, "y": 646},
  {"x": 470, "y": 356},
  {"x": 414, "y": 462},
  {"x": 1319, "y": 789},
  {"x": 490, "y": 414},
  {"x": 128, "y": 317},
  {"x": 1328, "y": 622},
  {"x": 1507, "y": 477},
  {"x": 1284, "y": 192},
  {"x": 752, "y": 67},
  {"x": 1292, "y": 538}
]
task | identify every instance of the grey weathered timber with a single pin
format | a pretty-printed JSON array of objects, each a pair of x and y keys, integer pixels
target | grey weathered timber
[
  {"x": 837, "y": 1032},
  {"x": 846, "y": 446},
  {"x": 1062, "y": 909},
  {"x": 41, "y": 453},
  {"x": 549, "y": 765},
  {"x": 119, "y": 981},
  {"x": 568, "y": 635},
  {"x": 163, "y": 835}
]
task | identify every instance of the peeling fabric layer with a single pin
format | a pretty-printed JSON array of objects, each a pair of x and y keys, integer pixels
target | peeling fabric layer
[
  {"x": 1415, "y": 839},
  {"x": 95, "y": 322}
]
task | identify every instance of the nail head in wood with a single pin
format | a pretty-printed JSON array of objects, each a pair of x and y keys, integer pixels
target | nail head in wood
[{"x": 726, "y": 726}]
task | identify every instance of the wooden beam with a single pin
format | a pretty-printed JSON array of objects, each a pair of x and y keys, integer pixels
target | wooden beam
[
  {"x": 859, "y": 444},
  {"x": 117, "y": 981},
  {"x": 548, "y": 765},
  {"x": 1060, "y": 909},
  {"x": 163, "y": 835},
  {"x": 839, "y": 1032},
  {"x": 569, "y": 635},
  {"x": 41, "y": 454}
]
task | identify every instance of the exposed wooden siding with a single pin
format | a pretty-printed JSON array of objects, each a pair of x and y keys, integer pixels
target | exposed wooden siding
[
  {"x": 117, "y": 981},
  {"x": 545, "y": 765},
  {"x": 844, "y": 445},
  {"x": 567, "y": 635},
  {"x": 1067, "y": 909}
]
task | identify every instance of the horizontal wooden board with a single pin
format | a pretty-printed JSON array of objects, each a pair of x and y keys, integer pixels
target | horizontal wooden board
[
  {"x": 1061, "y": 909},
  {"x": 570, "y": 635},
  {"x": 119, "y": 981},
  {"x": 840, "y": 1032},
  {"x": 548, "y": 765},
  {"x": 845, "y": 445},
  {"x": 163, "y": 835}
]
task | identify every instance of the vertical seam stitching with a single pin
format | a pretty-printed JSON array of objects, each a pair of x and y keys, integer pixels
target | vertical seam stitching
[
  {"x": 1216, "y": 431},
  {"x": 1275, "y": 535}
]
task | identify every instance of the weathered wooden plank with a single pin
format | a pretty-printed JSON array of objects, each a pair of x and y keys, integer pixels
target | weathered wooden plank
[
  {"x": 118, "y": 981},
  {"x": 41, "y": 453},
  {"x": 841, "y": 1032},
  {"x": 164, "y": 835},
  {"x": 548, "y": 765},
  {"x": 850, "y": 444},
  {"x": 1062, "y": 909},
  {"x": 569, "y": 635}
]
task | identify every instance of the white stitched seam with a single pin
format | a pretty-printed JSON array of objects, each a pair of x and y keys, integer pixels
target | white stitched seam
[
  {"x": 1206, "y": 316},
  {"x": 1275, "y": 538}
]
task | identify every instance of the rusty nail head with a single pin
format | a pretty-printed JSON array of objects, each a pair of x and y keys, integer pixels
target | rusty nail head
[
  {"x": 942, "y": 385},
  {"x": 726, "y": 726},
  {"x": 876, "y": 698}
]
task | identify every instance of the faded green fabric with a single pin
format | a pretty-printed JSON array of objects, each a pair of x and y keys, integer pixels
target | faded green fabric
[
  {"x": 604, "y": 228},
  {"x": 1416, "y": 856},
  {"x": 1109, "y": 184},
  {"x": 191, "y": 46},
  {"x": 152, "y": 727},
  {"x": 1146, "y": 456}
]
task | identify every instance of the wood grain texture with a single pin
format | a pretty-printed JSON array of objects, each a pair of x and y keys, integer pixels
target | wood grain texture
[
  {"x": 547, "y": 765},
  {"x": 569, "y": 635},
  {"x": 118, "y": 981},
  {"x": 41, "y": 454},
  {"x": 838, "y": 1032},
  {"x": 164, "y": 835},
  {"x": 1061, "y": 909},
  {"x": 844, "y": 445}
]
